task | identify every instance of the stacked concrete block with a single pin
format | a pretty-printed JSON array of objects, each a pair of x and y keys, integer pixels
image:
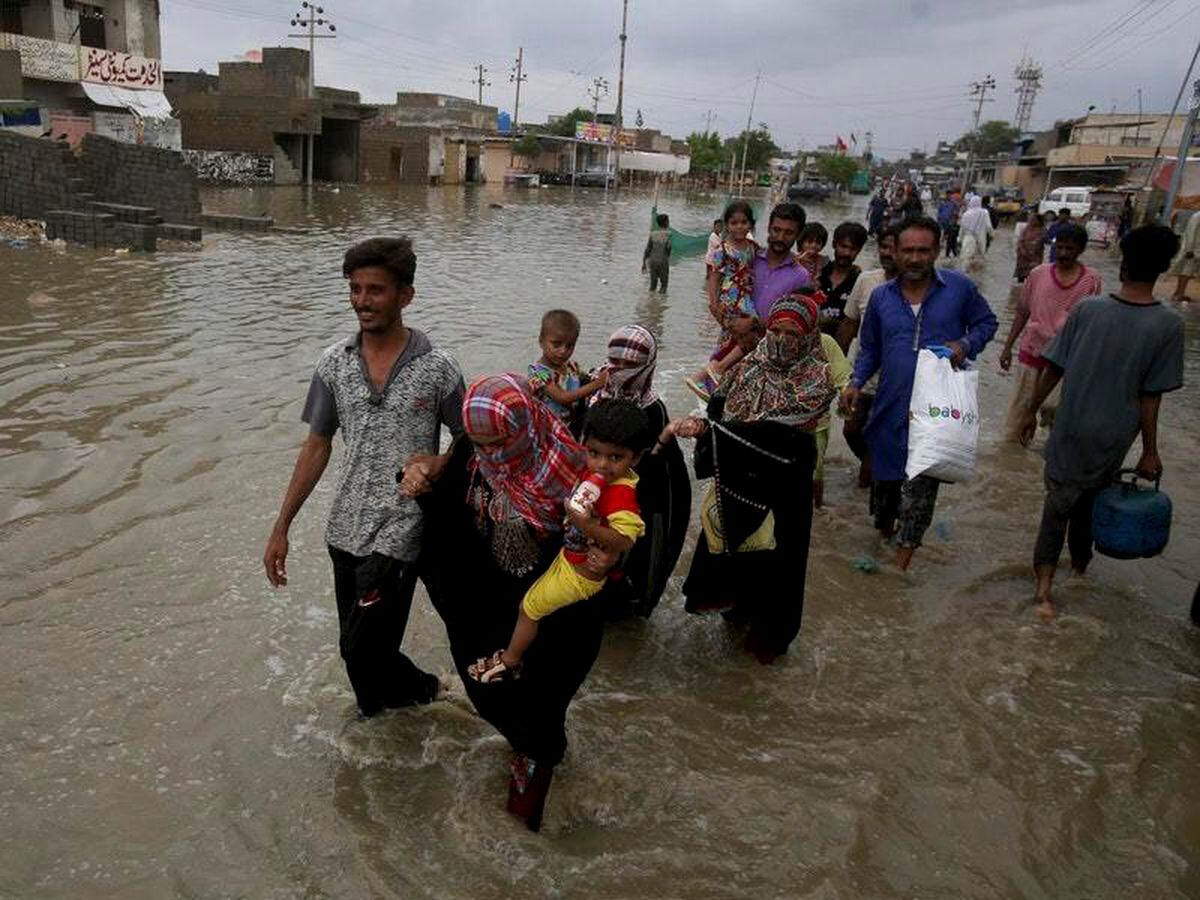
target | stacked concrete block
[
  {"x": 140, "y": 175},
  {"x": 34, "y": 175}
]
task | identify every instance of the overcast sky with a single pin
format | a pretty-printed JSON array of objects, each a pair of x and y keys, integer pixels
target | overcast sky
[{"x": 899, "y": 68}]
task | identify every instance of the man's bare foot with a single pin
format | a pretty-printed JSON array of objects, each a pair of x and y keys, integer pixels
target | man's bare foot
[
  {"x": 904, "y": 557},
  {"x": 818, "y": 494},
  {"x": 1044, "y": 609}
]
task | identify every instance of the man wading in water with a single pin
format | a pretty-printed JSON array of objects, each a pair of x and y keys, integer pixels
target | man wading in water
[{"x": 389, "y": 391}]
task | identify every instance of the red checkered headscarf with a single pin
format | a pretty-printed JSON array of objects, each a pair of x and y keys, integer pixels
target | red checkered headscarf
[{"x": 523, "y": 450}]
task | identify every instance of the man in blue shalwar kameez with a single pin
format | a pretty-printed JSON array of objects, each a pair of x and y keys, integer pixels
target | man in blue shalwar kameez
[{"x": 923, "y": 306}]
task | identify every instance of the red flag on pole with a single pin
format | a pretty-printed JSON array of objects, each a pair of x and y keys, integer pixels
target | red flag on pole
[{"x": 841, "y": 145}]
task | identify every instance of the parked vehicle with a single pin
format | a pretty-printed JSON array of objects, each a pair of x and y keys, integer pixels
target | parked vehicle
[
  {"x": 1007, "y": 202},
  {"x": 1077, "y": 199},
  {"x": 809, "y": 189}
]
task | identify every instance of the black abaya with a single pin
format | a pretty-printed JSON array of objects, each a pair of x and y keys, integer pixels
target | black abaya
[{"x": 478, "y": 602}]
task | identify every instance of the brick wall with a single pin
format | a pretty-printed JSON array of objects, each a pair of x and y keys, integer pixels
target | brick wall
[
  {"x": 377, "y": 161},
  {"x": 35, "y": 175},
  {"x": 141, "y": 176}
]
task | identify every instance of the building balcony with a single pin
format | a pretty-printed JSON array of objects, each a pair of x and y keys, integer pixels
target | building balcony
[{"x": 58, "y": 61}]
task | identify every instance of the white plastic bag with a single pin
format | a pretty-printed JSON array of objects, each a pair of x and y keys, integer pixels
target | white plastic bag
[{"x": 943, "y": 420}]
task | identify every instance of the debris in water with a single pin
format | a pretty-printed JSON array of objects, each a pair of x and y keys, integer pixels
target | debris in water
[{"x": 865, "y": 564}]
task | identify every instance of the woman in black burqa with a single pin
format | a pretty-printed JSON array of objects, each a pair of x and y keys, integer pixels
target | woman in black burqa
[{"x": 758, "y": 448}]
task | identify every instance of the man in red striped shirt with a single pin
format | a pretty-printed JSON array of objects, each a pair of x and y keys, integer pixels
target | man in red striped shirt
[{"x": 1047, "y": 297}]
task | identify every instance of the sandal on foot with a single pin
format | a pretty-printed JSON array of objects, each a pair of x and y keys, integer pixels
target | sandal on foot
[
  {"x": 487, "y": 669},
  {"x": 702, "y": 385}
]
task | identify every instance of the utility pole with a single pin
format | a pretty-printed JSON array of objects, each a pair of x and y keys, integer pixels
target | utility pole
[
  {"x": 1137, "y": 134},
  {"x": 619, "y": 123},
  {"x": 708, "y": 117},
  {"x": 517, "y": 74},
  {"x": 746, "y": 139},
  {"x": 479, "y": 80},
  {"x": 311, "y": 20},
  {"x": 1185, "y": 144},
  {"x": 979, "y": 91},
  {"x": 598, "y": 89},
  {"x": 1029, "y": 82},
  {"x": 868, "y": 155}
]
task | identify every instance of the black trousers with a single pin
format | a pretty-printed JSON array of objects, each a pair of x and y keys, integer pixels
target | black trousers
[
  {"x": 1066, "y": 518},
  {"x": 374, "y": 596},
  {"x": 659, "y": 276}
]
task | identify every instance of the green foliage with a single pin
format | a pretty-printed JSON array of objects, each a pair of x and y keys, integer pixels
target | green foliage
[
  {"x": 707, "y": 154},
  {"x": 838, "y": 169},
  {"x": 759, "y": 150},
  {"x": 564, "y": 126},
  {"x": 528, "y": 147},
  {"x": 994, "y": 138}
]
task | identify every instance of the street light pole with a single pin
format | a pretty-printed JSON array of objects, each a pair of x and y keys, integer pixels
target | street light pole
[{"x": 311, "y": 22}]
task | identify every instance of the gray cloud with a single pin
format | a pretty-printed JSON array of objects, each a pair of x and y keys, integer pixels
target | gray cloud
[{"x": 900, "y": 69}]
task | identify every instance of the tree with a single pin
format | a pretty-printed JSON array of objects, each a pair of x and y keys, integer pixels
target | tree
[
  {"x": 564, "y": 125},
  {"x": 528, "y": 147},
  {"x": 705, "y": 146},
  {"x": 760, "y": 148},
  {"x": 994, "y": 138},
  {"x": 838, "y": 169}
]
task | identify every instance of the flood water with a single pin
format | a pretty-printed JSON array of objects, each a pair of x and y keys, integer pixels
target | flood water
[{"x": 170, "y": 726}]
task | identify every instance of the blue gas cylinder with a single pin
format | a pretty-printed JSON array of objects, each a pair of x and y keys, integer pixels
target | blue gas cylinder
[{"x": 1131, "y": 522}]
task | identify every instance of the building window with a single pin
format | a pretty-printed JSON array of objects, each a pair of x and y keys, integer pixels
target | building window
[
  {"x": 10, "y": 16},
  {"x": 91, "y": 23},
  {"x": 1134, "y": 140}
]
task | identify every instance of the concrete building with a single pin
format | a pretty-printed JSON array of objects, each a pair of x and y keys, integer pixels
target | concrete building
[
  {"x": 430, "y": 139},
  {"x": 1101, "y": 149},
  {"x": 260, "y": 114},
  {"x": 86, "y": 67}
]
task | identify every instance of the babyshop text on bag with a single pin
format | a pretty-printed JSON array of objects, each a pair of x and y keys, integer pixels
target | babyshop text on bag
[{"x": 943, "y": 420}]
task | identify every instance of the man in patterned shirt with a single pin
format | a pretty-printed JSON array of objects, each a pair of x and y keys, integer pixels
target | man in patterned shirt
[{"x": 389, "y": 391}]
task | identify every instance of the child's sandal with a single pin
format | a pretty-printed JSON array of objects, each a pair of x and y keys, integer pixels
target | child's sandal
[{"x": 492, "y": 668}]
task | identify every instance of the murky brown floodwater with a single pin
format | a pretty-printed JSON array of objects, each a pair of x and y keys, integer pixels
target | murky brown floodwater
[{"x": 170, "y": 726}]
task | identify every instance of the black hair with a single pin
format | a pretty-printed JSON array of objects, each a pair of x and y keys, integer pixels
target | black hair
[
  {"x": 853, "y": 232},
  {"x": 663, "y": 220},
  {"x": 1146, "y": 252},
  {"x": 618, "y": 422},
  {"x": 1072, "y": 234},
  {"x": 562, "y": 319},
  {"x": 813, "y": 231},
  {"x": 393, "y": 254},
  {"x": 924, "y": 223},
  {"x": 793, "y": 212},
  {"x": 1065, "y": 211},
  {"x": 892, "y": 231},
  {"x": 986, "y": 201},
  {"x": 739, "y": 206},
  {"x": 718, "y": 221}
]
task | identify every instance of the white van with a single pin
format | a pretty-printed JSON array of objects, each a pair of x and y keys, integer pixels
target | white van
[{"x": 1077, "y": 199}]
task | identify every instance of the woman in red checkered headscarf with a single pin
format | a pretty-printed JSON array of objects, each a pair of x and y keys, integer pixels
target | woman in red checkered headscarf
[
  {"x": 493, "y": 522},
  {"x": 525, "y": 453}
]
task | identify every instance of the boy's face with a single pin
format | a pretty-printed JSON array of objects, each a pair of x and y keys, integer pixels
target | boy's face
[
  {"x": 610, "y": 460},
  {"x": 377, "y": 299},
  {"x": 557, "y": 346},
  {"x": 844, "y": 253},
  {"x": 1067, "y": 252},
  {"x": 811, "y": 246}
]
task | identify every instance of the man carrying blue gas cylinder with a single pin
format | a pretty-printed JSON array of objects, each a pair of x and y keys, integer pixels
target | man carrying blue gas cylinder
[{"x": 1116, "y": 357}]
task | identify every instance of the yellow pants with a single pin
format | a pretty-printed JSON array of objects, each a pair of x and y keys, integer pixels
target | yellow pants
[{"x": 560, "y": 585}]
